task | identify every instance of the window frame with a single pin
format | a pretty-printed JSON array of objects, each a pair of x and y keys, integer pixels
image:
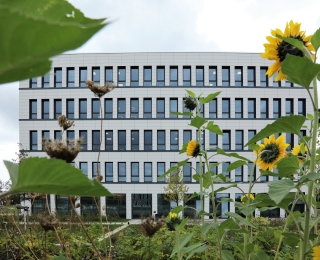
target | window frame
[
  {"x": 199, "y": 78},
  {"x": 108, "y": 172},
  {"x": 45, "y": 81},
  {"x": 252, "y": 112},
  {"x": 174, "y": 140},
  {"x": 33, "y": 140},
  {"x": 173, "y": 107},
  {"x": 134, "y": 107},
  {"x": 95, "y": 75},
  {"x": 96, "y": 142},
  {"x": 107, "y": 113},
  {"x": 251, "y": 78},
  {"x": 121, "y": 174},
  {"x": 147, "y": 141},
  {"x": 146, "y": 112},
  {"x": 213, "y": 80},
  {"x": 83, "y": 114},
  {"x": 238, "y": 80},
  {"x": 57, "y": 78},
  {"x": 134, "y": 166},
  {"x": 160, "y": 80},
  {"x": 146, "y": 81},
  {"x": 147, "y": 176},
  {"x": 122, "y": 142},
  {"x": 186, "y": 73},
  {"x": 161, "y": 146},
  {"x": 70, "y": 114},
  {"x": 84, "y": 135},
  {"x": 83, "y": 76},
  {"x": 239, "y": 143},
  {"x": 225, "y": 72},
  {"x": 226, "y": 140},
  {"x": 135, "y": 140},
  {"x": 108, "y": 143},
  {"x": 121, "y": 114},
  {"x": 226, "y": 114},
  {"x": 161, "y": 114},
  {"x": 134, "y": 76},
  {"x": 172, "y": 79},
  {"x": 121, "y": 76},
  {"x": 264, "y": 113},
  {"x": 238, "y": 113},
  {"x": 70, "y": 78},
  {"x": 33, "y": 113}
]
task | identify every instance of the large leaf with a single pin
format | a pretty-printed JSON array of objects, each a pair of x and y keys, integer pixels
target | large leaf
[
  {"x": 235, "y": 165},
  {"x": 287, "y": 166},
  {"x": 300, "y": 70},
  {"x": 208, "y": 98},
  {"x": 51, "y": 176},
  {"x": 32, "y": 31},
  {"x": 287, "y": 124},
  {"x": 214, "y": 128},
  {"x": 235, "y": 155},
  {"x": 239, "y": 218},
  {"x": 279, "y": 189},
  {"x": 315, "y": 40},
  {"x": 197, "y": 121}
]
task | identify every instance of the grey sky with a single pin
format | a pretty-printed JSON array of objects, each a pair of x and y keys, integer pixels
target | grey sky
[{"x": 170, "y": 25}]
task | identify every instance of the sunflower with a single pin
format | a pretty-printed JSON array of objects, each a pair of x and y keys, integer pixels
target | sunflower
[
  {"x": 190, "y": 103},
  {"x": 271, "y": 151},
  {"x": 316, "y": 253},
  {"x": 296, "y": 151},
  {"x": 245, "y": 197},
  {"x": 193, "y": 148},
  {"x": 276, "y": 49}
]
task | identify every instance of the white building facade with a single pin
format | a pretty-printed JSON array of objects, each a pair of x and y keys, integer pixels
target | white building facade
[{"x": 140, "y": 138}]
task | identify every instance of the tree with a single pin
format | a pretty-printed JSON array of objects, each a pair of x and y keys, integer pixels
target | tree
[{"x": 176, "y": 189}]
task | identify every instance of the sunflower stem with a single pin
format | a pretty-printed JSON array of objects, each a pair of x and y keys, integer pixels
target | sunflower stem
[
  {"x": 307, "y": 228},
  {"x": 200, "y": 166}
]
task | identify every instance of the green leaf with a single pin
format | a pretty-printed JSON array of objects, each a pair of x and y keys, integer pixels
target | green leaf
[
  {"x": 197, "y": 122},
  {"x": 235, "y": 165},
  {"x": 227, "y": 255},
  {"x": 225, "y": 187},
  {"x": 182, "y": 224},
  {"x": 315, "y": 40},
  {"x": 183, "y": 240},
  {"x": 177, "y": 209},
  {"x": 60, "y": 257},
  {"x": 207, "y": 226},
  {"x": 239, "y": 218},
  {"x": 293, "y": 216},
  {"x": 235, "y": 155},
  {"x": 174, "y": 167},
  {"x": 267, "y": 173},
  {"x": 254, "y": 147},
  {"x": 309, "y": 116},
  {"x": 226, "y": 225},
  {"x": 295, "y": 42},
  {"x": 184, "y": 148},
  {"x": 36, "y": 30},
  {"x": 291, "y": 239},
  {"x": 287, "y": 166},
  {"x": 300, "y": 70},
  {"x": 51, "y": 176},
  {"x": 259, "y": 256},
  {"x": 182, "y": 113},
  {"x": 279, "y": 189},
  {"x": 190, "y": 93},
  {"x": 287, "y": 124},
  {"x": 312, "y": 176},
  {"x": 214, "y": 128},
  {"x": 208, "y": 98}
]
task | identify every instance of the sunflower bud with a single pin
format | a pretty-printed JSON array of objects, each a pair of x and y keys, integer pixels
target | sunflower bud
[{"x": 190, "y": 103}]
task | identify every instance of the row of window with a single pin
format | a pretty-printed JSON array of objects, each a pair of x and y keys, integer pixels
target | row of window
[
  {"x": 160, "y": 76},
  {"x": 117, "y": 172},
  {"x": 121, "y": 108},
  {"x": 161, "y": 138}
]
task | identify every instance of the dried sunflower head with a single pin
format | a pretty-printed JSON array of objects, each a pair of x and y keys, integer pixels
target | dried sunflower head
[
  {"x": 149, "y": 227},
  {"x": 190, "y": 103},
  {"x": 62, "y": 119},
  {"x": 99, "y": 91}
]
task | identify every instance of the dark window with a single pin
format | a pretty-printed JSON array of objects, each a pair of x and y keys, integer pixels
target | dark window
[
  {"x": 84, "y": 168},
  {"x": 95, "y": 140},
  {"x": 173, "y": 76},
  {"x": 187, "y": 136},
  {"x": 70, "y": 77},
  {"x": 224, "y": 169},
  {"x": 134, "y": 76},
  {"x": 213, "y": 76},
  {"x": 148, "y": 172},
  {"x": 57, "y": 77},
  {"x": 96, "y": 75},
  {"x": 251, "y": 76},
  {"x": 108, "y": 74},
  {"x": 82, "y": 108},
  {"x": 161, "y": 140},
  {"x": 238, "y": 108},
  {"x": 213, "y": 141},
  {"x": 134, "y": 172},
  {"x": 33, "y": 109},
  {"x": 186, "y": 76},
  {"x": 222, "y": 206},
  {"x": 187, "y": 172},
  {"x": 290, "y": 140},
  {"x": 121, "y": 108},
  {"x": 263, "y": 178},
  {"x": 276, "y": 108},
  {"x": 134, "y": 108},
  {"x": 95, "y": 108},
  {"x": 57, "y": 134},
  {"x": 253, "y": 168},
  {"x": 70, "y": 135},
  {"x": 199, "y": 76},
  {"x": 161, "y": 169},
  {"x": 202, "y": 137},
  {"x": 121, "y": 76},
  {"x": 109, "y": 172},
  {"x": 46, "y": 81},
  {"x": 213, "y": 108},
  {"x": 238, "y": 81},
  {"x": 160, "y": 108},
  {"x": 226, "y": 76},
  {"x": 108, "y": 108},
  {"x": 174, "y": 140},
  {"x": 251, "y": 134},
  {"x": 84, "y": 135},
  {"x": 95, "y": 169},
  {"x": 173, "y": 107},
  {"x": 289, "y": 84},
  {"x": 109, "y": 140},
  {"x": 239, "y": 139},
  {"x": 289, "y": 106},
  {"x": 57, "y": 108},
  {"x": 33, "y": 140},
  {"x": 122, "y": 176},
  {"x": 301, "y": 107},
  {"x": 33, "y": 83},
  {"x": 226, "y": 140},
  {"x": 184, "y": 109},
  {"x": 147, "y": 76},
  {"x": 70, "y": 108},
  {"x": 147, "y": 108},
  {"x": 83, "y": 76},
  {"x": 134, "y": 139},
  {"x": 45, "y": 135},
  {"x": 276, "y": 83},
  {"x": 225, "y": 108},
  {"x": 251, "y": 108},
  {"x": 122, "y": 142},
  {"x": 147, "y": 140},
  {"x": 264, "y": 108},
  {"x": 160, "y": 76},
  {"x": 264, "y": 82},
  {"x": 45, "y": 109},
  {"x": 198, "y": 167},
  {"x": 238, "y": 174}
]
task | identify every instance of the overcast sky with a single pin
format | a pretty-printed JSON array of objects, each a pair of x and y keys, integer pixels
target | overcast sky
[{"x": 170, "y": 25}]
